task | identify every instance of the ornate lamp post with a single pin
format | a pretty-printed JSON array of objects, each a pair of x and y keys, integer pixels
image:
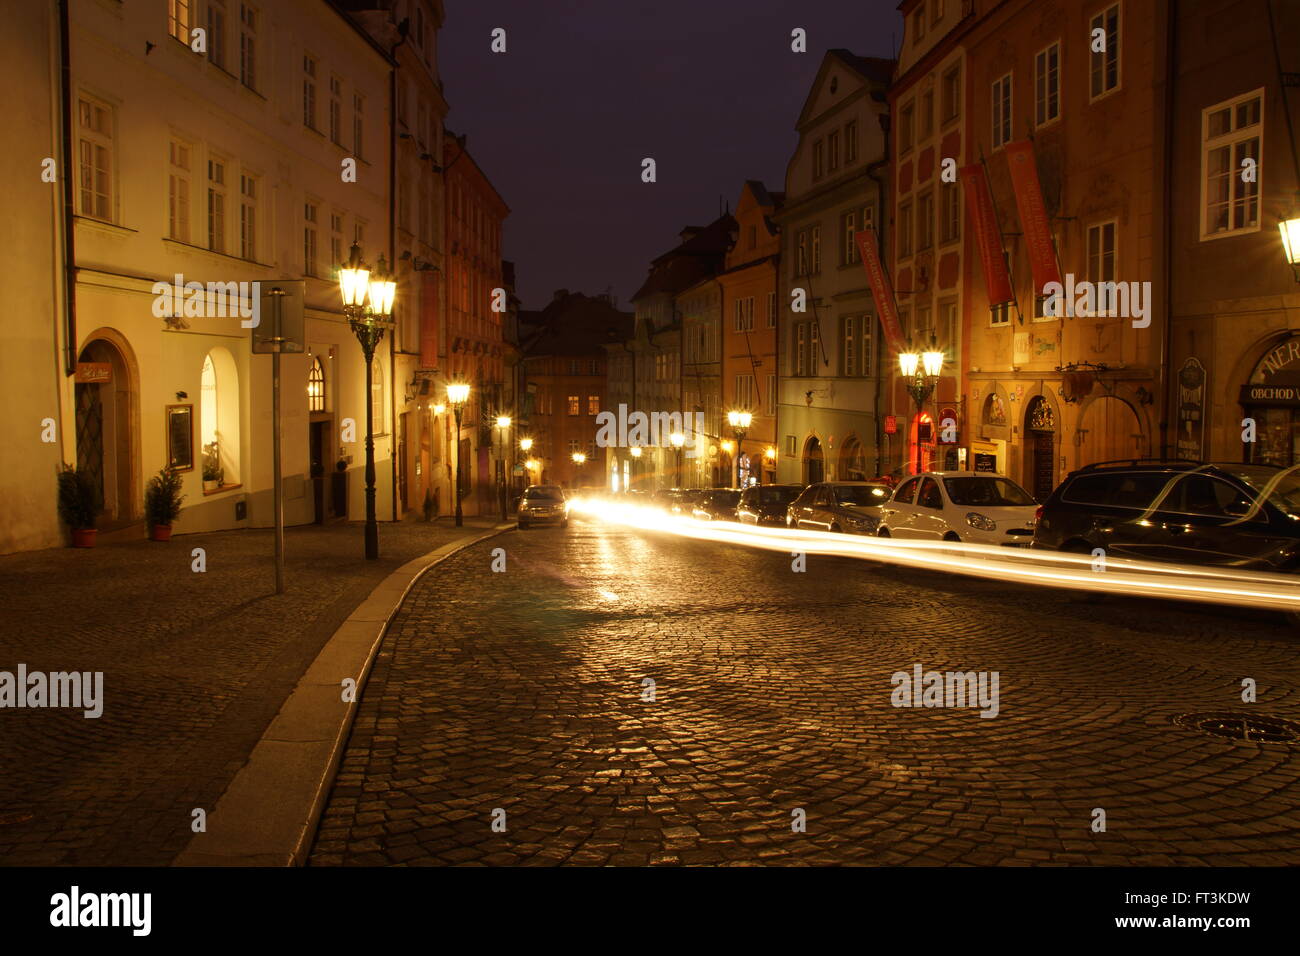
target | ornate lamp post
[
  {"x": 739, "y": 422},
  {"x": 457, "y": 396},
  {"x": 678, "y": 440},
  {"x": 503, "y": 426},
  {"x": 923, "y": 370},
  {"x": 368, "y": 304}
]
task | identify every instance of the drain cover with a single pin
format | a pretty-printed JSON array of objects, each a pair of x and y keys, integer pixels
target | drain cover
[{"x": 1259, "y": 728}]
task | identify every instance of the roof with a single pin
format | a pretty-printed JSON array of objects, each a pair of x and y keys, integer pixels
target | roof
[
  {"x": 696, "y": 257},
  {"x": 874, "y": 68},
  {"x": 572, "y": 324}
]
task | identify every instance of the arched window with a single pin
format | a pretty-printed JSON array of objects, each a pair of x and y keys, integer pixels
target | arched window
[
  {"x": 316, "y": 386},
  {"x": 377, "y": 396},
  {"x": 219, "y": 418}
]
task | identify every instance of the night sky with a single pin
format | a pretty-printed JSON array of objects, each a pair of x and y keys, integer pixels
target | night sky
[{"x": 588, "y": 88}]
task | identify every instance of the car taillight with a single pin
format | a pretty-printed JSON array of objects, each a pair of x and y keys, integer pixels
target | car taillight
[{"x": 1038, "y": 515}]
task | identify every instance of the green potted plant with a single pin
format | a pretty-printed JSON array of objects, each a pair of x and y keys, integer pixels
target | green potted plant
[
  {"x": 162, "y": 503},
  {"x": 78, "y": 505},
  {"x": 213, "y": 473}
]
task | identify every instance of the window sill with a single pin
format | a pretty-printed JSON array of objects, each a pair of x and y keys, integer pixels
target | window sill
[{"x": 219, "y": 489}]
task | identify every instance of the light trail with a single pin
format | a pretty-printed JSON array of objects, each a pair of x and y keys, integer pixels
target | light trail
[{"x": 1218, "y": 585}]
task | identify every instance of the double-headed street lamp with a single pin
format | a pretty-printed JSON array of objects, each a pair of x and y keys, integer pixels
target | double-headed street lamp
[
  {"x": 923, "y": 370},
  {"x": 503, "y": 426},
  {"x": 739, "y": 422},
  {"x": 457, "y": 396},
  {"x": 368, "y": 304}
]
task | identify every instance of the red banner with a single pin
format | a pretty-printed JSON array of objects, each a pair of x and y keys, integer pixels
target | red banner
[
  {"x": 1033, "y": 214},
  {"x": 979, "y": 202},
  {"x": 429, "y": 322},
  {"x": 881, "y": 288}
]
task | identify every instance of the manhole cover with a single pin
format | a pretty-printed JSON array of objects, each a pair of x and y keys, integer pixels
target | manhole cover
[{"x": 1258, "y": 728}]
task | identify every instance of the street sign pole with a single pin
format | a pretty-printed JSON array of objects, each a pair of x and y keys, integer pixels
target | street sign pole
[
  {"x": 282, "y": 307},
  {"x": 278, "y": 479}
]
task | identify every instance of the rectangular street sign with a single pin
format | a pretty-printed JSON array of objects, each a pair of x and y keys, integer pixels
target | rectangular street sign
[{"x": 282, "y": 315}]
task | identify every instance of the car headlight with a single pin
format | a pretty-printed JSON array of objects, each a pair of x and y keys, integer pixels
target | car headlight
[{"x": 981, "y": 522}]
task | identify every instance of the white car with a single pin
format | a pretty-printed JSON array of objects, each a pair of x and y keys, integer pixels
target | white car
[{"x": 969, "y": 506}]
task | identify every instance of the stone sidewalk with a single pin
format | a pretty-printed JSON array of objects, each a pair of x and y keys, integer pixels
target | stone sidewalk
[{"x": 195, "y": 668}]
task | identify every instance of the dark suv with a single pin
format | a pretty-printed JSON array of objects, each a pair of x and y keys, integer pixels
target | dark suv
[{"x": 1242, "y": 516}]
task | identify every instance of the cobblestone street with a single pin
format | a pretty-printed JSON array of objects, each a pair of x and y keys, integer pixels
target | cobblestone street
[
  {"x": 523, "y": 692},
  {"x": 195, "y": 667}
]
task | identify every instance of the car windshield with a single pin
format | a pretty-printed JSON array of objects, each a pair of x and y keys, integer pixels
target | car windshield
[
  {"x": 725, "y": 497},
  {"x": 552, "y": 494},
  {"x": 986, "y": 492},
  {"x": 862, "y": 495},
  {"x": 777, "y": 496},
  {"x": 1282, "y": 487}
]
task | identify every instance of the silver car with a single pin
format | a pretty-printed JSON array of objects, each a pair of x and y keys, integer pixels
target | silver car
[
  {"x": 542, "y": 504},
  {"x": 852, "y": 507}
]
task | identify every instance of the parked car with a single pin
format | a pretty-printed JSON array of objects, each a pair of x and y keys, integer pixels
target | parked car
[
  {"x": 1241, "y": 516},
  {"x": 686, "y": 500},
  {"x": 717, "y": 504},
  {"x": 541, "y": 504},
  {"x": 766, "y": 504},
  {"x": 970, "y": 506},
  {"x": 665, "y": 498},
  {"x": 852, "y": 507}
]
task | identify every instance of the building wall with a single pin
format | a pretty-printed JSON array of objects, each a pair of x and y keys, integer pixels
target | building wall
[{"x": 700, "y": 311}]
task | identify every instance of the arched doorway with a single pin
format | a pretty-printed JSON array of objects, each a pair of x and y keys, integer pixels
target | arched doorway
[
  {"x": 1040, "y": 447},
  {"x": 1109, "y": 430},
  {"x": 106, "y": 428},
  {"x": 219, "y": 420},
  {"x": 920, "y": 445},
  {"x": 814, "y": 465},
  {"x": 853, "y": 460}
]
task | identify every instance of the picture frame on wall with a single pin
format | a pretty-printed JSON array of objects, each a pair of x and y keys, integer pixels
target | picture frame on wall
[{"x": 180, "y": 436}]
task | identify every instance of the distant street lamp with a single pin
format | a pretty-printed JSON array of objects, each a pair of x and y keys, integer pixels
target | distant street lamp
[
  {"x": 368, "y": 304},
  {"x": 526, "y": 445},
  {"x": 739, "y": 422},
  {"x": 457, "y": 396},
  {"x": 678, "y": 440},
  {"x": 923, "y": 370},
  {"x": 579, "y": 459},
  {"x": 770, "y": 457},
  {"x": 503, "y": 426}
]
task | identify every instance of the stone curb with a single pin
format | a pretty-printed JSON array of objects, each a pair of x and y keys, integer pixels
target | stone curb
[{"x": 269, "y": 813}]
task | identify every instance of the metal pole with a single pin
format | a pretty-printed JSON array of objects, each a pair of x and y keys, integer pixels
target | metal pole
[
  {"x": 372, "y": 525},
  {"x": 460, "y": 521},
  {"x": 278, "y": 478},
  {"x": 501, "y": 470}
]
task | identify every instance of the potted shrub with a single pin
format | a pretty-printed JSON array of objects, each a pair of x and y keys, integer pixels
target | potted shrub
[
  {"x": 213, "y": 474},
  {"x": 162, "y": 503},
  {"x": 78, "y": 505}
]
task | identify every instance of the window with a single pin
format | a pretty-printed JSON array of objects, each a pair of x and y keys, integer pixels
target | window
[
  {"x": 1000, "y": 314},
  {"x": 815, "y": 236},
  {"x": 248, "y": 46},
  {"x": 309, "y": 239},
  {"x": 178, "y": 191},
  {"x": 593, "y": 367},
  {"x": 814, "y": 348},
  {"x": 801, "y": 348},
  {"x": 359, "y": 232},
  {"x": 771, "y": 310},
  {"x": 905, "y": 128},
  {"x": 1231, "y": 133},
  {"x": 308, "y": 92},
  {"x": 850, "y": 142},
  {"x": 217, "y": 205},
  {"x": 936, "y": 11},
  {"x": 927, "y": 114},
  {"x": 949, "y": 213},
  {"x": 1002, "y": 111},
  {"x": 801, "y": 257},
  {"x": 918, "y": 24},
  {"x": 868, "y": 218},
  {"x": 744, "y": 314},
  {"x": 833, "y": 150},
  {"x": 574, "y": 447},
  {"x": 1101, "y": 262},
  {"x": 905, "y": 229},
  {"x": 575, "y": 404},
  {"x": 947, "y": 330},
  {"x": 336, "y": 243},
  {"x": 316, "y": 386},
  {"x": 95, "y": 149},
  {"x": 593, "y": 404},
  {"x": 219, "y": 417},
  {"x": 358, "y": 124},
  {"x": 849, "y": 353},
  {"x": 848, "y": 229},
  {"x": 247, "y": 216},
  {"x": 924, "y": 327},
  {"x": 868, "y": 345},
  {"x": 178, "y": 20},
  {"x": 950, "y": 100},
  {"x": 818, "y": 169},
  {"x": 1047, "y": 85},
  {"x": 925, "y": 221},
  {"x": 1104, "y": 63},
  {"x": 217, "y": 32},
  {"x": 336, "y": 110},
  {"x": 744, "y": 395},
  {"x": 574, "y": 366}
]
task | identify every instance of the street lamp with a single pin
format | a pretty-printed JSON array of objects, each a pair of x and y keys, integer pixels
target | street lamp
[
  {"x": 503, "y": 425},
  {"x": 1290, "y": 230},
  {"x": 739, "y": 422},
  {"x": 678, "y": 440},
  {"x": 770, "y": 457},
  {"x": 923, "y": 369},
  {"x": 579, "y": 459},
  {"x": 457, "y": 396},
  {"x": 368, "y": 304}
]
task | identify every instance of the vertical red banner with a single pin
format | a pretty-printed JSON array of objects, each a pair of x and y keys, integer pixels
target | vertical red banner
[
  {"x": 429, "y": 322},
  {"x": 881, "y": 288},
  {"x": 1033, "y": 214},
  {"x": 979, "y": 201}
]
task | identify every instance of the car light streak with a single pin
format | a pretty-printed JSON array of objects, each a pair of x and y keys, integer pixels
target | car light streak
[{"x": 1021, "y": 565}]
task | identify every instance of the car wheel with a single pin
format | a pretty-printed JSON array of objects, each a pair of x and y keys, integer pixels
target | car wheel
[
  {"x": 836, "y": 528},
  {"x": 952, "y": 536},
  {"x": 883, "y": 532}
]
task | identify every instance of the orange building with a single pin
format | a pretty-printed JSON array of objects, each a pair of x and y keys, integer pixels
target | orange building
[{"x": 749, "y": 366}]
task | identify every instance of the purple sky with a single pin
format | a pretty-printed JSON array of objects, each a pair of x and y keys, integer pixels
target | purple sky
[{"x": 562, "y": 120}]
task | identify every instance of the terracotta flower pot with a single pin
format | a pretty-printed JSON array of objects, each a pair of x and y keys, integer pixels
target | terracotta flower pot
[
  {"x": 84, "y": 537},
  {"x": 160, "y": 532}
]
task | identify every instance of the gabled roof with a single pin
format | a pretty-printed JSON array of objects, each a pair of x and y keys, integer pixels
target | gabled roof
[
  {"x": 572, "y": 324},
  {"x": 873, "y": 71},
  {"x": 689, "y": 261}
]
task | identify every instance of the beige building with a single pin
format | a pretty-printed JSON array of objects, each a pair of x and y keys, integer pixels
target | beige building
[{"x": 224, "y": 156}]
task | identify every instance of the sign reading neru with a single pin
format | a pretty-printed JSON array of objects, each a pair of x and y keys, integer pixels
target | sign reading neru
[{"x": 1277, "y": 377}]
